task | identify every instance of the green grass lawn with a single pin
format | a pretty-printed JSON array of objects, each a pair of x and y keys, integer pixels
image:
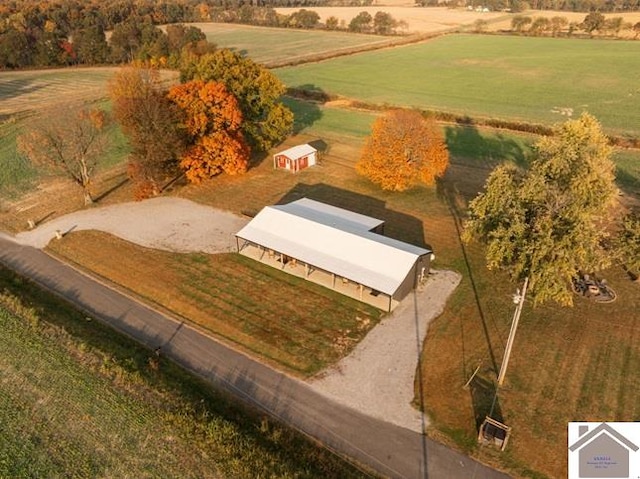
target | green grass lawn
[
  {"x": 233, "y": 297},
  {"x": 276, "y": 45},
  {"x": 79, "y": 400},
  {"x": 516, "y": 78},
  {"x": 16, "y": 172}
]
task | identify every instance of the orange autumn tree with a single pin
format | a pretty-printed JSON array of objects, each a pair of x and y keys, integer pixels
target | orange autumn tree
[
  {"x": 404, "y": 149},
  {"x": 213, "y": 120}
]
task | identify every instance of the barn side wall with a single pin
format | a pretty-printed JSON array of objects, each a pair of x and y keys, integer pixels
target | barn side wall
[{"x": 413, "y": 277}]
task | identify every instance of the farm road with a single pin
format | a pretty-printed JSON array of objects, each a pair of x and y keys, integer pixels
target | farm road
[{"x": 391, "y": 450}]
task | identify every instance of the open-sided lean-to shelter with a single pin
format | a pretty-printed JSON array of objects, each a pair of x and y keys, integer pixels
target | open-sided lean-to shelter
[
  {"x": 296, "y": 158},
  {"x": 336, "y": 248}
]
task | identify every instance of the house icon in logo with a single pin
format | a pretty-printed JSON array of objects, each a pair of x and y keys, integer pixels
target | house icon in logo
[{"x": 603, "y": 452}]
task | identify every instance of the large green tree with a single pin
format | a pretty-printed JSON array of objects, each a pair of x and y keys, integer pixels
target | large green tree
[
  {"x": 90, "y": 44},
  {"x": 266, "y": 120},
  {"x": 545, "y": 223}
]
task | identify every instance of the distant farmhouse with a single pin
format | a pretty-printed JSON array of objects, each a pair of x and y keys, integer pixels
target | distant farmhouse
[
  {"x": 337, "y": 248},
  {"x": 296, "y": 158}
]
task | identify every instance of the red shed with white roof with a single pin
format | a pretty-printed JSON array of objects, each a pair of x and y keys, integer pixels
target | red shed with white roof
[{"x": 296, "y": 158}]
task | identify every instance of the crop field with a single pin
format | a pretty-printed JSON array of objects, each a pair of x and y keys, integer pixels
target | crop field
[
  {"x": 419, "y": 20},
  {"x": 517, "y": 78},
  {"x": 271, "y": 45},
  {"x": 79, "y": 400}
]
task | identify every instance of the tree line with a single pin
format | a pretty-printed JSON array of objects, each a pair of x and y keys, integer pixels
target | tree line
[
  {"x": 559, "y": 25},
  {"x": 606, "y": 6},
  {"x": 72, "y": 32}
]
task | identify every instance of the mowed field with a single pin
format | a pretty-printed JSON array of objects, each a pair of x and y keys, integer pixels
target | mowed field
[
  {"x": 276, "y": 45},
  {"x": 25, "y": 91},
  {"x": 516, "y": 78}
]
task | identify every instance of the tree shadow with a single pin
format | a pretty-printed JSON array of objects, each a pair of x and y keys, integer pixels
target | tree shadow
[
  {"x": 447, "y": 191},
  {"x": 627, "y": 181},
  {"x": 485, "y": 402},
  {"x": 18, "y": 87},
  {"x": 112, "y": 189},
  {"x": 397, "y": 225},
  {"x": 472, "y": 148},
  {"x": 305, "y": 112}
]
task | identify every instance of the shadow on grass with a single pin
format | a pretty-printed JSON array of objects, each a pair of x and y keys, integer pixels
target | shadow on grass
[
  {"x": 17, "y": 87},
  {"x": 114, "y": 188},
  {"x": 484, "y": 398},
  {"x": 627, "y": 181},
  {"x": 471, "y": 148},
  {"x": 305, "y": 112},
  {"x": 447, "y": 192},
  {"x": 397, "y": 225}
]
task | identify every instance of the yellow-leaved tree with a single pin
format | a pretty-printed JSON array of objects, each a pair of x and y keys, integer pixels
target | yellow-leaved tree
[{"x": 404, "y": 149}]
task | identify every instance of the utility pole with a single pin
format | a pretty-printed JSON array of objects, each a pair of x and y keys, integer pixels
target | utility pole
[{"x": 519, "y": 300}]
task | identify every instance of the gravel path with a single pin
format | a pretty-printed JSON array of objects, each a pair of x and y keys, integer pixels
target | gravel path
[
  {"x": 167, "y": 223},
  {"x": 376, "y": 379}
]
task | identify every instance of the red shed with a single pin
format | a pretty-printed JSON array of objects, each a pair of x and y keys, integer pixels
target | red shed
[{"x": 296, "y": 158}]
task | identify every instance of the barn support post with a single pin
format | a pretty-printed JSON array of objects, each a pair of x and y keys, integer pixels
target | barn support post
[
  {"x": 361, "y": 288},
  {"x": 306, "y": 270},
  {"x": 282, "y": 260},
  {"x": 237, "y": 244},
  {"x": 264, "y": 250},
  {"x": 389, "y": 310},
  {"x": 333, "y": 280}
]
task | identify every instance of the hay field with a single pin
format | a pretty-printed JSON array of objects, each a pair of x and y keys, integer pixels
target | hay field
[
  {"x": 31, "y": 90},
  {"x": 527, "y": 79},
  {"x": 23, "y": 91},
  {"x": 419, "y": 19},
  {"x": 572, "y": 17},
  {"x": 270, "y": 45}
]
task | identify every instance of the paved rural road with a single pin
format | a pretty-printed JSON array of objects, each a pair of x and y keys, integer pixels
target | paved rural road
[{"x": 391, "y": 450}]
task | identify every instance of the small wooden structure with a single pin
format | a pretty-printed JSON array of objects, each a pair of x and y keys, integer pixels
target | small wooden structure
[
  {"x": 296, "y": 158},
  {"x": 494, "y": 432}
]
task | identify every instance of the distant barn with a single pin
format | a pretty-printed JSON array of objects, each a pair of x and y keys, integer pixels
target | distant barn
[{"x": 296, "y": 158}]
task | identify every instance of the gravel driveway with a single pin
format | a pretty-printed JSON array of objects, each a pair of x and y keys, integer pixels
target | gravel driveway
[{"x": 376, "y": 379}]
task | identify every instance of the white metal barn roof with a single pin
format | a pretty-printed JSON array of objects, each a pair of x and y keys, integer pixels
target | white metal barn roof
[
  {"x": 330, "y": 215},
  {"x": 298, "y": 151},
  {"x": 335, "y": 240}
]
